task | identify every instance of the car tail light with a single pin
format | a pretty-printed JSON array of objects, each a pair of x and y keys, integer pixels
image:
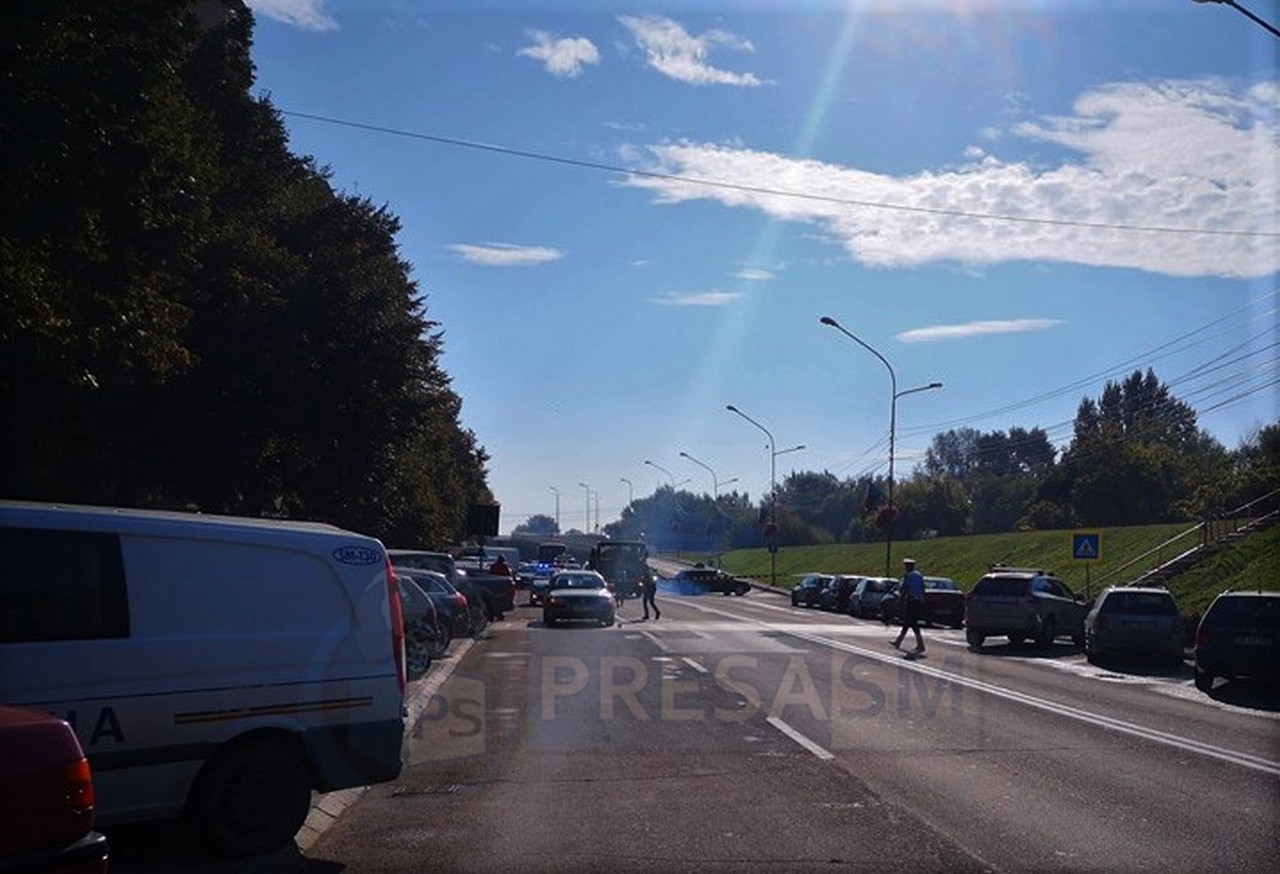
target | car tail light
[
  {"x": 459, "y": 599},
  {"x": 79, "y": 787},
  {"x": 1202, "y": 636},
  {"x": 397, "y": 627}
]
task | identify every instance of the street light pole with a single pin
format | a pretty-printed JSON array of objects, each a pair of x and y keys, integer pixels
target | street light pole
[
  {"x": 893, "y": 425},
  {"x": 557, "y": 493},
  {"x": 715, "y": 483},
  {"x": 586, "y": 525},
  {"x": 671, "y": 479},
  {"x": 773, "y": 492},
  {"x": 1245, "y": 12},
  {"x": 631, "y": 492}
]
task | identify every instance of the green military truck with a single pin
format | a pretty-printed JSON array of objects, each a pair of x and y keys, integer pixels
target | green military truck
[{"x": 624, "y": 564}]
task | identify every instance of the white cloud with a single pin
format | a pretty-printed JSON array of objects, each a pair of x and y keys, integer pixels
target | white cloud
[
  {"x": 561, "y": 57},
  {"x": 975, "y": 329},
  {"x": 306, "y": 14},
  {"x": 1220, "y": 174},
  {"x": 505, "y": 254},
  {"x": 753, "y": 274},
  {"x": 697, "y": 299},
  {"x": 672, "y": 51}
]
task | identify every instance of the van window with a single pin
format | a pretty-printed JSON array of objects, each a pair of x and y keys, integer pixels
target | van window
[
  {"x": 294, "y": 589},
  {"x": 61, "y": 585}
]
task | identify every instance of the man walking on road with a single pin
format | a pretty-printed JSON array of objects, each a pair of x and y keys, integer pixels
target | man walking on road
[
  {"x": 912, "y": 605},
  {"x": 649, "y": 588}
]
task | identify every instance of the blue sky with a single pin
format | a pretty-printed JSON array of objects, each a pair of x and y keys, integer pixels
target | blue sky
[{"x": 625, "y": 218}]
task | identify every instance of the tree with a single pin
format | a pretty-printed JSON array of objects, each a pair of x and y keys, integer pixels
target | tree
[
  {"x": 191, "y": 316},
  {"x": 1137, "y": 457},
  {"x": 539, "y": 524}
]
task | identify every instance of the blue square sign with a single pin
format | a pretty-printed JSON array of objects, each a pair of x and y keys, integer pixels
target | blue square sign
[{"x": 1086, "y": 547}]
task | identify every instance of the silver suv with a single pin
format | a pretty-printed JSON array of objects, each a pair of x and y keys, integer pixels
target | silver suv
[{"x": 1022, "y": 603}]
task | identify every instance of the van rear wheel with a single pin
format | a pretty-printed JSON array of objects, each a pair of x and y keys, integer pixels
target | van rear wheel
[{"x": 252, "y": 799}]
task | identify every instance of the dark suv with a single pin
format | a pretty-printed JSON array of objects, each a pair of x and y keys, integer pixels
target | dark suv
[
  {"x": 1022, "y": 603},
  {"x": 1238, "y": 636}
]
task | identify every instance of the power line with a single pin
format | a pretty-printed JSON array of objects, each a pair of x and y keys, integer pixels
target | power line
[
  {"x": 1178, "y": 344},
  {"x": 773, "y": 192}
]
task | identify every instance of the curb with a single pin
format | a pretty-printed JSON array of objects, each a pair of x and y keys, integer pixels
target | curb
[{"x": 326, "y": 807}]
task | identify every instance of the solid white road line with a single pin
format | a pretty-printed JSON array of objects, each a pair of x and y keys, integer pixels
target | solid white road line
[{"x": 799, "y": 738}]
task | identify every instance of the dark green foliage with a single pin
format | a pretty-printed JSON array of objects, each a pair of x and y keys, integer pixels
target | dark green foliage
[
  {"x": 538, "y": 524},
  {"x": 190, "y": 315}
]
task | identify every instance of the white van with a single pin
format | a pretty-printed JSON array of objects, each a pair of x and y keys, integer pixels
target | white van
[{"x": 214, "y": 667}]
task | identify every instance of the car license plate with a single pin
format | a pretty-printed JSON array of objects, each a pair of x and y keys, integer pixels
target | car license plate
[{"x": 1252, "y": 641}]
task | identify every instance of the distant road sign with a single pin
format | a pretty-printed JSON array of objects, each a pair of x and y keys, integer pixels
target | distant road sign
[{"x": 1086, "y": 547}]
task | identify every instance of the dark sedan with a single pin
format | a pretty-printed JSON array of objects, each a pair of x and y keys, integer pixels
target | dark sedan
[
  {"x": 450, "y": 604},
  {"x": 1238, "y": 636},
  {"x": 710, "y": 579},
  {"x": 868, "y": 594},
  {"x": 807, "y": 592},
  {"x": 835, "y": 597},
  {"x": 578, "y": 594}
]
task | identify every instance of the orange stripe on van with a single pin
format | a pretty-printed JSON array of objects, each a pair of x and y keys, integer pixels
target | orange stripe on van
[{"x": 270, "y": 710}]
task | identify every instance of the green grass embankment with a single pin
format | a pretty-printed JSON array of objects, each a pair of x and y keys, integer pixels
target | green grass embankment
[{"x": 1252, "y": 561}]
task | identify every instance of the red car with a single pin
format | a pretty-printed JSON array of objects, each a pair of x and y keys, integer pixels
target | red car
[
  {"x": 943, "y": 604},
  {"x": 46, "y": 798}
]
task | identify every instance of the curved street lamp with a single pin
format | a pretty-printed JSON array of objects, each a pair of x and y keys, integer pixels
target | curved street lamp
[
  {"x": 1245, "y": 12},
  {"x": 715, "y": 483},
  {"x": 631, "y": 492},
  {"x": 774, "y": 452},
  {"x": 671, "y": 479},
  {"x": 893, "y": 423}
]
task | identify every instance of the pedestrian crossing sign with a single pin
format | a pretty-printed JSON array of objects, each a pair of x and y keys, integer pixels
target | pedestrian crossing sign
[{"x": 1086, "y": 547}]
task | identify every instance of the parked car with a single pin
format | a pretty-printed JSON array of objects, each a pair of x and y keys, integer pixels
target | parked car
[
  {"x": 868, "y": 595},
  {"x": 46, "y": 798},
  {"x": 578, "y": 594},
  {"x": 538, "y": 587},
  {"x": 1022, "y": 603},
  {"x": 451, "y": 605},
  {"x": 1135, "y": 621},
  {"x": 807, "y": 592},
  {"x": 835, "y": 597},
  {"x": 1238, "y": 636},
  {"x": 493, "y": 595},
  {"x": 424, "y": 632},
  {"x": 943, "y": 603},
  {"x": 712, "y": 580}
]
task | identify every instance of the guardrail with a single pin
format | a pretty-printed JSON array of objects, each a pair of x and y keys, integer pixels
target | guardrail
[{"x": 1211, "y": 530}]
